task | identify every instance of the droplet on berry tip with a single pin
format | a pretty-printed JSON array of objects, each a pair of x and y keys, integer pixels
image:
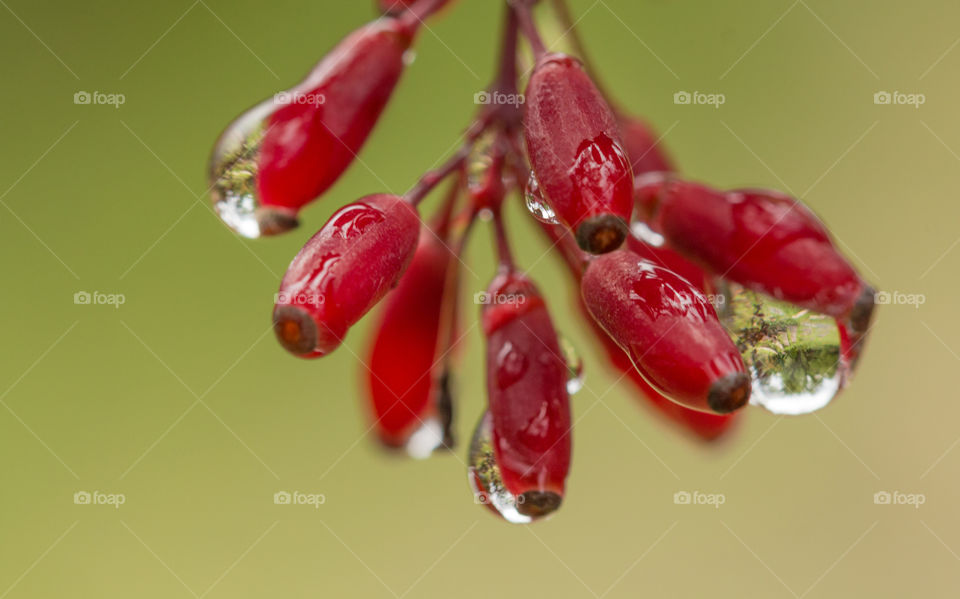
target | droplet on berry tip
[
  {"x": 488, "y": 487},
  {"x": 536, "y": 204},
  {"x": 793, "y": 354}
]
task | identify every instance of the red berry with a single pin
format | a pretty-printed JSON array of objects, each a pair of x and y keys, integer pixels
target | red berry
[
  {"x": 767, "y": 242},
  {"x": 670, "y": 331},
  {"x": 527, "y": 390},
  {"x": 343, "y": 271},
  {"x": 401, "y": 371},
  {"x": 574, "y": 146},
  {"x": 640, "y": 143},
  {"x": 287, "y": 151}
]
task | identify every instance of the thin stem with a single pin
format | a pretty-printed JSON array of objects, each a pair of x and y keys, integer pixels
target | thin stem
[
  {"x": 506, "y": 81},
  {"x": 444, "y": 216},
  {"x": 431, "y": 179},
  {"x": 504, "y": 253},
  {"x": 522, "y": 8}
]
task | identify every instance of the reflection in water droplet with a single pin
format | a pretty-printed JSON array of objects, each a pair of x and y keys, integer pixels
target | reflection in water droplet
[
  {"x": 409, "y": 57},
  {"x": 480, "y": 160},
  {"x": 574, "y": 365},
  {"x": 793, "y": 354},
  {"x": 233, "y": 171},
  {"x": 485, "y": 479},
  {"x": 536, "y": 203}
]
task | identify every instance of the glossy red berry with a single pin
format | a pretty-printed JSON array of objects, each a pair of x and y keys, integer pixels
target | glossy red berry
[
  {"x": 343, "y": 271},
  {"x": 287, "y": 151},
  {"x": 527, "y": 392},
  {"x": 766, "y": 241},
  {"x": 669, "y": 329},
  {"x": 402, "y": 371},
  {"x": 578, "y": 158}
]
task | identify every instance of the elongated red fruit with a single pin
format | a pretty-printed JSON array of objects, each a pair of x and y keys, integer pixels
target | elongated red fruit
[
  {"x": 704, "y": 425},
  {"x": 645, "y": 150},
  {"x": 401, "y": 371},
  {"x": 288, "y": 150},
  {"x": 574, "y": 146},
  {"x": 527, "y": 394},
  {"x": 669, "y": 330},
  {"x": 343, "y": 271},
  {"x": 767, "y": 242}
]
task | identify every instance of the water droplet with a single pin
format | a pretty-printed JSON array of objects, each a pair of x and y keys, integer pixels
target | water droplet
[
  {"x": 647, "y": 235},
  {"x": 574, "y": 364},
  {"x": 510, "y": 365},
  {"x": 486, "y": 215},
  {"x": 536, "y": 204},
  {"x": 793, "y": 354},
  {"x": 409, "y": 57},
  {"x": 234, "y": 168},
  {"x": 480, "y": 160},
  {"x": 233, "y": 171},
  {"x": 485, "y": 479}
]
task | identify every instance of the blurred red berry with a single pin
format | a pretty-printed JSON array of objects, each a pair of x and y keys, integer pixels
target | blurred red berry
[
  {"x": 343, "y": 271},
  {"x": 574, "y": 146},
  {"x": 766, "y": 241},
  {"x": 642, "y": 147},
  {"x": 402, "y": 372}
]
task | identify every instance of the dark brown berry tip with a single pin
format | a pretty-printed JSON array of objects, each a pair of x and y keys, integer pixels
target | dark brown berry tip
[
  {"x": 538, "y": 504},
  {"x": 730, "y": 393},
  {"x": 274, "y": 221},
  {"x": 862, "y": 312},
  {"x": 602, "y": 234},
  {"x": 295, "y": 330}
]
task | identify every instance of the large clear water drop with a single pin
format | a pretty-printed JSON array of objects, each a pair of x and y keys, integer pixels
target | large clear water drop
[
  {"x": 485, "y": 479},
  {"x": 536, "y": 203},
  {"x": 234, "y": 168},
  {"x": 793, "y": 354}
]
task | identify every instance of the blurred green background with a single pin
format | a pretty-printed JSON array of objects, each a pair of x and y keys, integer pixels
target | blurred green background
[{"x": 181, "y": 400}]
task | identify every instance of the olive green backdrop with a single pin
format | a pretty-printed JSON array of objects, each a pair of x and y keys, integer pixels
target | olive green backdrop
[{"x": 180, "y": 400}]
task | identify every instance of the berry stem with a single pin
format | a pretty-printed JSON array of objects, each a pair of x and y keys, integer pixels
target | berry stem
[
  {"x": 506, "y": 81},
  {"x": 504, "y": 253},
  {"x": 522, "y": 9}
]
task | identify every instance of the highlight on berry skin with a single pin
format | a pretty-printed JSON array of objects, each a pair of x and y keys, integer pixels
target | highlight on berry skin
[{"x": 708, "y": 302}]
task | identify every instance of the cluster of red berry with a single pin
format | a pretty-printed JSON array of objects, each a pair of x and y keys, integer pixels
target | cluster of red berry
[{"x": 708, "y": 300}]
